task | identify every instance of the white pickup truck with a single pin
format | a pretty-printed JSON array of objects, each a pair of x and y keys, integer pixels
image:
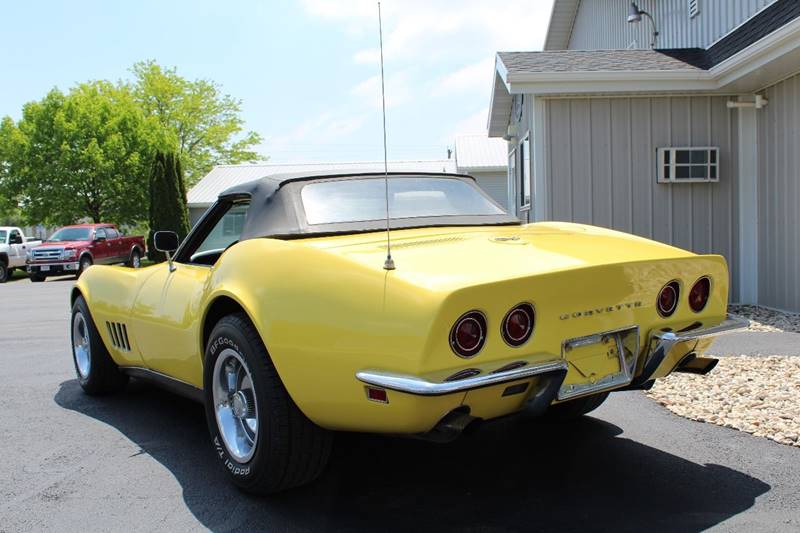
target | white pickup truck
[{"x": 14, "y": 248}]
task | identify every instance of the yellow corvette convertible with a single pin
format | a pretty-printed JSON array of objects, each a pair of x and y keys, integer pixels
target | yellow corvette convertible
[{"x": 280, "y": 314}]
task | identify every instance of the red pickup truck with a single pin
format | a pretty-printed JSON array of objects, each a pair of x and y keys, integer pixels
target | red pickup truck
[{"x": 73, "y": 249}]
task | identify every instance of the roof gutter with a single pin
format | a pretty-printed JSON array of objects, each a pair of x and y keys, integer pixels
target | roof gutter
[{"x": 785, "y": 40}]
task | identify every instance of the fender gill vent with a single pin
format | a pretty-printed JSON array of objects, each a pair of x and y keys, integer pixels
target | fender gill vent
[{"x": 119, "y": 336}]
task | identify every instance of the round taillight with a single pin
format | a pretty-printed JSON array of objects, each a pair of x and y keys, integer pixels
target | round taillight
[
  {"x": 698, "y": 296},
  {"x": 518, "y": 325},
  {"x": 468, "y": 334},
  {"x": 668, "y": 299}
]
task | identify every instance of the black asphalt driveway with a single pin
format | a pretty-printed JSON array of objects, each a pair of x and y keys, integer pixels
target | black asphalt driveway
[{"x": 141, "y": 461}]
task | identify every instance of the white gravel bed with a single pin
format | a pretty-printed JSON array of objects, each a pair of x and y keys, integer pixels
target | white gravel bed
[
  {"x": 764, "y": 319},
  {"x": 759, "y": 395}
]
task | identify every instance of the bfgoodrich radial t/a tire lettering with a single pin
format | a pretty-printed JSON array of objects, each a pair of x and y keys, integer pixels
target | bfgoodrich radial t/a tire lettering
[{"x": 263, "y": 440}]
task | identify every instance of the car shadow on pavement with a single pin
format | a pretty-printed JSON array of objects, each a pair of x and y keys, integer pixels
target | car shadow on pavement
[{"x": 516, "y": 474}]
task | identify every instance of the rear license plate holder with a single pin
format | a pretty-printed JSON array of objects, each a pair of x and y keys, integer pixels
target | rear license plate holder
[{"x": 615, "y": 352}]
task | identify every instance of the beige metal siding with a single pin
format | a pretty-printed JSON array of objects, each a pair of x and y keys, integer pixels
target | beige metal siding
[
  {"x": 602, "y": 24},
  {"x": 779, "y": 197},
  {"x": 601, "y": 169},
  {"x": 495, "y": 184},
  {"x": 195, "y": 213}
]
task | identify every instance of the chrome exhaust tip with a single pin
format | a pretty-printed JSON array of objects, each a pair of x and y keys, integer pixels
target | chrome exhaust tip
[
  {"x": 691, "y": 364},
  {"x": 454, "y": 424}
]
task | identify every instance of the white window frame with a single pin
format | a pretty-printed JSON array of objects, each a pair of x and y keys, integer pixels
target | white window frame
[
  {"x": 524, "y": 169},
  {"x": 673, "y": 165},
  {"x": 512, "y": 180}
]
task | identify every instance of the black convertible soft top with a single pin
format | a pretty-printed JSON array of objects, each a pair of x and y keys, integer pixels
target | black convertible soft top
[{"x": 276, "y": 208}]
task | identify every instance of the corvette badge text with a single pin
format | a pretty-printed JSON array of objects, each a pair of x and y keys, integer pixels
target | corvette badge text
[{"x": 600, "y": 310}]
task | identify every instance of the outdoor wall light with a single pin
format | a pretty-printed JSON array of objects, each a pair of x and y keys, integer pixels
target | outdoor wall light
[{"x": 635, "y": 15}]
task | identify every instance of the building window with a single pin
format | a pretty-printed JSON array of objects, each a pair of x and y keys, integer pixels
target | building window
[
  {"x": 525, "y": 172},
  {"x": 688, "y": 165}
]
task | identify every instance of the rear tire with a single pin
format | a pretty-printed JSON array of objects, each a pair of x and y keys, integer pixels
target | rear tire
[
  {"x": 37, "y": 278},
  {"x": 97, "y": 372},
  {"x": 5, "y": 272},
  {"x": 267, "y": 444},
  {"x": 572, "y": 409}
]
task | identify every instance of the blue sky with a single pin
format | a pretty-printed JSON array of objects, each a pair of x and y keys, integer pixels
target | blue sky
[{"x": 306, "y": 70}]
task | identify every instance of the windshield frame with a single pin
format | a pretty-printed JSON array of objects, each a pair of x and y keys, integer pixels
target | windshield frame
[{"x": 88, "y": 234}]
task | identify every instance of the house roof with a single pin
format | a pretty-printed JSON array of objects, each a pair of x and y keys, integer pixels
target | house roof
[
  {"x": 562, "y": 19},
  {"x": 476, "y": 153},
  {"x": 758, "y": 53},
  {"x": 223, "y": 177},
  {"x": 521, "y": 63}
]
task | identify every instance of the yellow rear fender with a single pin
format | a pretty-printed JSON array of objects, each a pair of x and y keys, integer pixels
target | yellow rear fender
[{"x": 322, "y": 319}]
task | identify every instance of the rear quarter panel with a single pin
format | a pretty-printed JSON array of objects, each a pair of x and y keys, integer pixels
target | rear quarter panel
[{"x": 322, "y": 319}]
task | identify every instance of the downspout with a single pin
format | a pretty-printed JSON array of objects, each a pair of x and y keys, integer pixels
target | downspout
[{"x": 747, "y": 188}]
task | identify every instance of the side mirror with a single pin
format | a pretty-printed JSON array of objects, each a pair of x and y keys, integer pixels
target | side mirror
[
  {"x": 167, "y": 242},
  {"x": 100, "y": 239}
]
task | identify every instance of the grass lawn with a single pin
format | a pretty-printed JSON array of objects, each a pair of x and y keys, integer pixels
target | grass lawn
[{"x": 18, "y": 273}]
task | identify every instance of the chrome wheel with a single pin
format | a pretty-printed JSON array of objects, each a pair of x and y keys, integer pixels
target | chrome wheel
[
  {"x": 235, "y": 405},
  {"x": 85, "y": 263},
  {"x": 81, "y": 349},
  {"x": 136, "y": 262}
]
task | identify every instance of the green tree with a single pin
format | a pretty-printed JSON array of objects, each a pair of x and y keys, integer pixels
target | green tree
[
  {"x": 168, "y": 210},
  {"x": 193, "y": 118},
  {"x": 10, "y": 143},
  {"x": 76, "y": 155}
]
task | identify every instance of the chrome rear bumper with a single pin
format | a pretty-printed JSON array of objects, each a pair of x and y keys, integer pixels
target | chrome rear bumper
[
  {"x": 423, "y": 387},
  {"x": 662, "y": 345}
]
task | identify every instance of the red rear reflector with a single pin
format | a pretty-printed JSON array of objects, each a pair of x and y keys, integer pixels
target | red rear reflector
[{"x": 377, "y": 395}]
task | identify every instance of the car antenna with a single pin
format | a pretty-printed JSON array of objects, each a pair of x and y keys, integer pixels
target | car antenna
[{"x": 389, "y": 263}]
